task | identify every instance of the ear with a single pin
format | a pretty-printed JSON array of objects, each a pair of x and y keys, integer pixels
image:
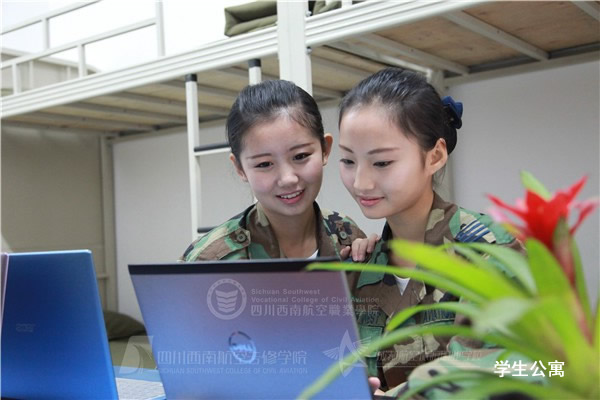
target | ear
[
  {"x": 238, "y": 167},
  {"x": 327, "y": 150},
  {"x": 436, "y": 157}
]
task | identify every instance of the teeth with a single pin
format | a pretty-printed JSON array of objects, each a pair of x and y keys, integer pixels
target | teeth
[{"x": 291, "y": 196}]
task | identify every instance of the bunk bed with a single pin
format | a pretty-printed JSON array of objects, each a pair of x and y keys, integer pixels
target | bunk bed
[{"x": 451, "y": 42}]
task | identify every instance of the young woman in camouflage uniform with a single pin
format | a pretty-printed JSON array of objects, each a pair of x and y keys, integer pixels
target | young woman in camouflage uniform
[
  {"x": 395, "y": 135},
  {"x": 279, "y": 148}
]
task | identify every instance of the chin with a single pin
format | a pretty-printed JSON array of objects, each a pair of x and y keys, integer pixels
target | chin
[
  {"x": 372, "y": 214},
  {"x": 297, "y": 209}
]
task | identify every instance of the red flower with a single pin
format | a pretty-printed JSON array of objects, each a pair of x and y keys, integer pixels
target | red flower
[{"x": 540, "y": 217}]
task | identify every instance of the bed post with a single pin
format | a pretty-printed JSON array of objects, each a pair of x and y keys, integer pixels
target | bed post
[{"x": 294, "y": 57}]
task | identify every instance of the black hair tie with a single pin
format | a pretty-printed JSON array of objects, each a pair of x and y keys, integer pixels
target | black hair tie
[{"x": 454, "y": 110}]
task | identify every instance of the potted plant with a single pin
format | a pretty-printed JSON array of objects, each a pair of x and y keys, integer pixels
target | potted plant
[{"x": 534, "y": 307}]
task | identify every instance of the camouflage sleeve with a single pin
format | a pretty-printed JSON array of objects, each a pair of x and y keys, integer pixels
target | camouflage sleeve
[
  {"x": 341, "y": 227},
  {"x": 224, "y": 241},
  {"x": 357, "y": 233},
  {"x": 186, "y": 254}
]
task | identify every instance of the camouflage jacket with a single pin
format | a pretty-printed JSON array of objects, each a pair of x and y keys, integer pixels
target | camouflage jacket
[
  {"x": 377, "y": 296},
  {"x": 248, "y": 235}
]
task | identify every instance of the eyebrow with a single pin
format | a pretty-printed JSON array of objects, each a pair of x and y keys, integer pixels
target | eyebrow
[
  {"x": 374, "y": 151},
  {"x": 298, "y": 146}
]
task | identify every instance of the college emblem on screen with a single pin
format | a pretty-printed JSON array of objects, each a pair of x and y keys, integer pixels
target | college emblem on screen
[{"x": 226, "y": 298}]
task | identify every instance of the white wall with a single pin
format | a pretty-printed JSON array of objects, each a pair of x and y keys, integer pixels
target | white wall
[
  {"x": 52, "y": 192},
  {"x": 223, "y": 193},
  {"x": 152, "y": 214},
  {"x": 545, "y": 122}
]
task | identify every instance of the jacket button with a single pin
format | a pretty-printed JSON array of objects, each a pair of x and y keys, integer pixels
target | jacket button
[
  {"x": 241, "y": 237},
  {"x": 343, "y": 235}
]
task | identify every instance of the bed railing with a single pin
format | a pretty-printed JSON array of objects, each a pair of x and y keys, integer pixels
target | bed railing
[{"x": 44, "y": 19}]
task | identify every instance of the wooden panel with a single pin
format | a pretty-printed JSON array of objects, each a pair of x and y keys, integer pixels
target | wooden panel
[
  {"x": 113, "y": 116},
  {"x": 445, "y": 39},
  {"x": 135, "y": 105},
  {"x": 217, "y": 79},
  {"x": 175, "y": 108},
  {"x": 270, "y": 66},
  {"x": 338, "y": 79},
  {"x": 547, "y": 25},
  {"x": 178, "y": 94},
  {"x": 76, "y": 124},
  {"x": 348, "y": 59},
  {"x": 160, "y": 91},
  {"x": 327, "y": 77}
]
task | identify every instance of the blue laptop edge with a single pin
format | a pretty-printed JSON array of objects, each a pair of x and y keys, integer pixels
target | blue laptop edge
[{"x": 54, "y": 342}]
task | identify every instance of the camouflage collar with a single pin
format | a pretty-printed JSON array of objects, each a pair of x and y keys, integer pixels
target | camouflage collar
[
  {"x": 264, "y": 243},
  {"x": 436, "y": 233}
]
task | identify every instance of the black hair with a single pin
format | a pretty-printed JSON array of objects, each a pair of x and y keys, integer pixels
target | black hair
[
  {"x": 265, "y": 102},
  {"x": 411, "y": 103}
]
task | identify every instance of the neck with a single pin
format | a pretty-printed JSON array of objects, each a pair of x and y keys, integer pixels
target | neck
[
  {"x": 296, "y": 235},
  {"x": 410, "y": 224}
]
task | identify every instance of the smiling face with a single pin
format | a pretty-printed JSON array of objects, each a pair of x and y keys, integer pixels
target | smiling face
[
  {"x": 283, "y": 163},
  {"x": 386, "y": 171}
]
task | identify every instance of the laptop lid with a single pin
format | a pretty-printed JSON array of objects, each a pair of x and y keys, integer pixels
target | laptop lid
[
  {"x": 54, "y": 342},
  {"x": 252, "y": 329},
  {"x": 3, "y": 272}
]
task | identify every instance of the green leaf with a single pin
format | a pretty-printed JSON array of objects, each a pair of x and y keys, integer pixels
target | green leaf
[
  {"x": 597, "y": 330},
  {"x": 501, "y": 314},
  {"x": 512, "y": 260},
  {"x": 473, "y": 256},
  {"x": 564, "y": 338},
  {"x": 548, "y": 274},
  {"x": 461, "y": 308},
  {"x": 580, "y": 285},
  {"x": 428, "y": 277},
  {"x": 489, "y": 284},
  {"x": 533, "y": 185},
  {"x": 505, "y": 354}
]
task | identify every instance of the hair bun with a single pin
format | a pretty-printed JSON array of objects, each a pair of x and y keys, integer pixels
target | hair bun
[{"x": 454, "y": 111}]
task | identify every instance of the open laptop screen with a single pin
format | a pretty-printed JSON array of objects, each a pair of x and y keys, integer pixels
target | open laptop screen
[{"x": 248, "y": 329}]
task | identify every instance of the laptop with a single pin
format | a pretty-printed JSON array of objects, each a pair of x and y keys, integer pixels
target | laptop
[
  {"x": 54, "y": 342},
  {"x": 251, "y": 329}
]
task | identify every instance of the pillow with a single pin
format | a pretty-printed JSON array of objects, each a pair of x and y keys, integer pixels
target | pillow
[
  {"x": 257, "y": 15},
  {"x": 122, "y": 326}
]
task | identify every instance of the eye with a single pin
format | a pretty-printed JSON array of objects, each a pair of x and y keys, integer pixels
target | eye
[
  {"x": 346, "y": 161},
  {"x": 301, "y": 156},
  {"x": 382, "y": 164},
  {"x": 264, "y": 164}
]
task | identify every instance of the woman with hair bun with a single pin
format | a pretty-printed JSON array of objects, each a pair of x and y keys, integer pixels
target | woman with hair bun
[{"x": 395, "y": 136}]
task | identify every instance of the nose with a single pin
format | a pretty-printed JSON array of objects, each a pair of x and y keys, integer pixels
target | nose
[
  {"x": 363, "y": 181},
  {"x": 287, "y": 176}
]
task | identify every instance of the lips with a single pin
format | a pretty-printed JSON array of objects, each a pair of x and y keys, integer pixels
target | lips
[
  {"x": 369, "y": 201},
  {"x": 291, "y": 197}
]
